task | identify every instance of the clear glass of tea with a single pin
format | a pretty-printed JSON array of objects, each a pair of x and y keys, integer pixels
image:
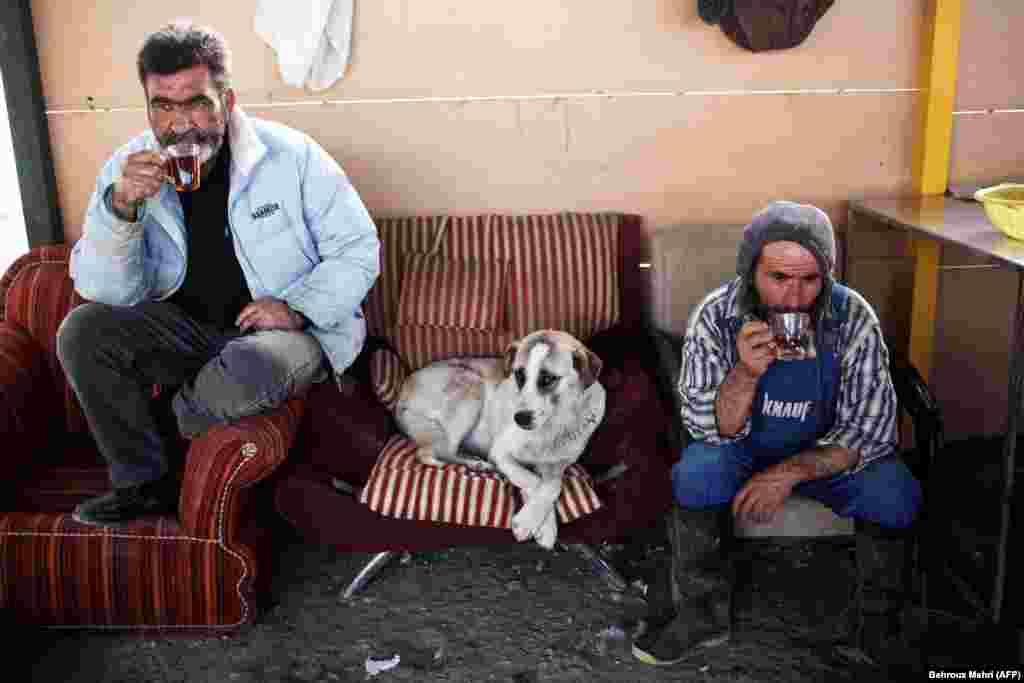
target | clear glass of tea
[
  {"x": 792, "y": 333},
  {"x": 182, "y": 163}
]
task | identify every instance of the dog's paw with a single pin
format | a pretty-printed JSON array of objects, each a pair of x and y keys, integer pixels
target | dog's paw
[
  {"x": 479, "y": 465},
  {"x": 548, "y": 532},
  {"x": 528, "y": 521}
]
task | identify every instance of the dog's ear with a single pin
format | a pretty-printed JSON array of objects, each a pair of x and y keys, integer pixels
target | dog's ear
[
  {"x": 510, "y": 357},
  {"x": 587, "y": 364}
]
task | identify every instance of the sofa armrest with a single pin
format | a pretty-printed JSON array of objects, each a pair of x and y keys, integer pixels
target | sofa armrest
[
  {"x": 638, "y": 406},
  {"x": 28, "y": 403},
  {"x": 344, "y": 431},
  {"x": 229, "y": 458}
]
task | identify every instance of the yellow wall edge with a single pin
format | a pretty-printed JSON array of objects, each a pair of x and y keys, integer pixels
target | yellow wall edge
[{"x": 941, "y": 53}]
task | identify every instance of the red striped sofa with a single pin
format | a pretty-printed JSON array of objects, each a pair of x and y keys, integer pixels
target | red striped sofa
[
  {"x": 467, "y": 286},
  {"x": 201, "y": 571}
]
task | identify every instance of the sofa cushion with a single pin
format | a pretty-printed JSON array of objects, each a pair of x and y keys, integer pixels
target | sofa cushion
[
  {"x": 467, "y": 294},
  {"x": 399, "y": 235},
  {"x": 420, "y": 345},
  {"x": 565, "y": 269},
  {"x": 449, "y": 308},
  {"x": 401, "y": 486},
  {"x": 549, "y": 284}
]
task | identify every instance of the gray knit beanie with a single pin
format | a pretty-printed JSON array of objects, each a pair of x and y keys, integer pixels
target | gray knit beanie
[{"x": 783, "y": 221}]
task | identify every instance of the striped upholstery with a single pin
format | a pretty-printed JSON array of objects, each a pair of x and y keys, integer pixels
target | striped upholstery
[
  {"x": 58, "y": 572},
  {"x": 37, "y": 294},
  {"x": 464, "y": 294},
  {"x": 398, "y": 237},
  {"x": 450, "y": 308},
  {"x": 421, "y": 345},
  {"x": 403, "y": 487},
  {"x": 564, "y": 271},
  {"x": 434, "y": 300},
  {"x": 387, "y": 372},
  {"x": 197, "y": 573}
]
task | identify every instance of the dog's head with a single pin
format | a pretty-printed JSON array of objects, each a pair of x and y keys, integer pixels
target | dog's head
[{"x": 550, "y": 370}]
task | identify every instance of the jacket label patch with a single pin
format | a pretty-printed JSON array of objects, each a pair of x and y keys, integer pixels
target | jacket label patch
[{"x": 266, "y": 210}]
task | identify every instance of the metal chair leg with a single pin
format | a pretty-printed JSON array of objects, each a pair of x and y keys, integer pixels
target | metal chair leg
[
  {"x": 370, "y": 570},
  {"x": 597, "y": 562}
]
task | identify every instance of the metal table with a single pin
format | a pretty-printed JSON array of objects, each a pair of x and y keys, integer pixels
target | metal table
[{"x": 933, "y": 220}]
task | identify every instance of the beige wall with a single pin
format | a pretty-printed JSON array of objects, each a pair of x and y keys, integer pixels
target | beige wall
[
  {"x": 676, "y": 159},
  {"x": 989, "y": 146},
  {"x": 629, "y": 106}
]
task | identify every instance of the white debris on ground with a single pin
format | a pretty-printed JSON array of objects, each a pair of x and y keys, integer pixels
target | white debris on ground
[{"x": 375, "y": 666}]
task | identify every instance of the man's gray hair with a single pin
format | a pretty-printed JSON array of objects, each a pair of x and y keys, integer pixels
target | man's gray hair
[{"x": 182, "y": 44}]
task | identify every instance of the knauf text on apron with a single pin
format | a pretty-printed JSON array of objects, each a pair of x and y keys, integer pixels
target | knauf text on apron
[{"x": 791, "y": 409}]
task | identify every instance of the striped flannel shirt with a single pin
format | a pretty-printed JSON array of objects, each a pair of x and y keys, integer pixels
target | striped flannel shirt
[{"x": 866, "y": 413}]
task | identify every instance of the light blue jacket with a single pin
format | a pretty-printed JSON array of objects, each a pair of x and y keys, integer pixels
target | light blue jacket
[{"x": 301, "y": 234}]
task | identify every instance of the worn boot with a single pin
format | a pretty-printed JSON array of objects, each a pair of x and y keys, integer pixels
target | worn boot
[
  {"x": 701, "y": 587},
  {"x": 879, "y": 634},
  {"x": 124, "y": 504}
]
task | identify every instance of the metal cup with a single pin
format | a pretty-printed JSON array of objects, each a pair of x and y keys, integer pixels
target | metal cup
[{"x": 791, "y": 329}]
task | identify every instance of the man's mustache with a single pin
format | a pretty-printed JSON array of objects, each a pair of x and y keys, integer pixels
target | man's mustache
[
  {"x": 198, "y": 137},
  {"x": 764, "y": 311}
]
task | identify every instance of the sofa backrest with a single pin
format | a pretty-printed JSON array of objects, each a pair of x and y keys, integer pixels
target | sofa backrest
[
  {"x": 468, "y": 285},
  {"x": 576, "y": 272},
  {"x": 36, "y": 293}
]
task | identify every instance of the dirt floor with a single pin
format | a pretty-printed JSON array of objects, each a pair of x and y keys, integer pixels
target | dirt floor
[{"x": 518, "y": 614}]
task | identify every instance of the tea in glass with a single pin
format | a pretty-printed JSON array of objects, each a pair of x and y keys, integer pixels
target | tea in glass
[
  {"x": 182, "y": 164},
  {"x": 791, "y": 330}
]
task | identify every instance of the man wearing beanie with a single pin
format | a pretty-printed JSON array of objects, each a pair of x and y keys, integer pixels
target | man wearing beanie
[{"x": 763, "y": 429}]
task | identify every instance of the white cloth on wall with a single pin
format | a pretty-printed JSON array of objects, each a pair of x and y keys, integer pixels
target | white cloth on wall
[{"x": 312, "y": 38}]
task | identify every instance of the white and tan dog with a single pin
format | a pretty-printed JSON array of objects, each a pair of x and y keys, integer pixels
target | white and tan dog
[{"x": 530, "y": 414}]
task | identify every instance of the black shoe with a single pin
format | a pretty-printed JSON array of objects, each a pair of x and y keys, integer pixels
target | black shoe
[
  {"x": 125, "y": 504},
  {"x": 680, "y": 638}
]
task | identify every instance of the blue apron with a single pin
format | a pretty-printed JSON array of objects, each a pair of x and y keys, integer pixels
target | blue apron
[{"x": 795, "y": 402}]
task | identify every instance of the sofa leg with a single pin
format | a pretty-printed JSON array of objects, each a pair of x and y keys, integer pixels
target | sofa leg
[
  {"x": 370, "y": 570},
  {"x": 601, "y": 566}
]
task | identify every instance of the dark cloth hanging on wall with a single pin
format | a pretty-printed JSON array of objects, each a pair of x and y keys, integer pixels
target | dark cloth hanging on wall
[
  {"x": 711, "y": 11},
  {"x": 758, "y": 26}
]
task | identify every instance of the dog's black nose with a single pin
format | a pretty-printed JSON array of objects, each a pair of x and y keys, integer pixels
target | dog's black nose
[{"x": 524, "y": 419}]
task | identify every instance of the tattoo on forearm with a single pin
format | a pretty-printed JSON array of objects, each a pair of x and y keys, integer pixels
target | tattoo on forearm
[{"x": 819, "y": 463}]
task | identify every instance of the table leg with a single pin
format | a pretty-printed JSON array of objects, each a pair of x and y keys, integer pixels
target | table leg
[
  {"x": 926, "y": 254},
  {"x": 1013, "y": 400}
]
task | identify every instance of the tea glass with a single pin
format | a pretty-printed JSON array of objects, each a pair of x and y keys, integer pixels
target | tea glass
[
  {"x": 182, "y": 165},
  {"x": 791, "y": 330}
]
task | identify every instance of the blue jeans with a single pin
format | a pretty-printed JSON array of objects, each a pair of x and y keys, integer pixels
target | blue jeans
[
  {"x": 113, "y": 355},
  {"x": 884, "y": 492}
]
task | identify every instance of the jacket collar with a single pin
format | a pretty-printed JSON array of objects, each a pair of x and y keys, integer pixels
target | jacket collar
[{"x": 246, "y": 147}]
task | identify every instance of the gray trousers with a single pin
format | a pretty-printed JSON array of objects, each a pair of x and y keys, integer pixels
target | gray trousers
[{"x": 113, "y": 355}]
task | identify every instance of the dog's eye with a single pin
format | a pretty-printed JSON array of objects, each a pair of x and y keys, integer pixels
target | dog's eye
[
  {"x": 520, "y": 376},
  {"x": 546, "y": 381}
]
